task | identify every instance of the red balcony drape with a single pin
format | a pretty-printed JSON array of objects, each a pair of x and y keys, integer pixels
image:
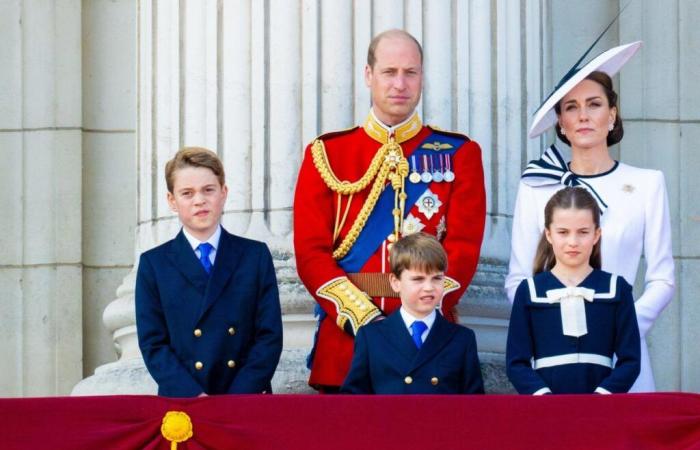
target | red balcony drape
[{"x": 633, "y": 421}]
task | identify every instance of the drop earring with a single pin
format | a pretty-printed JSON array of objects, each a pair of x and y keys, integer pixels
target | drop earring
[
  {"x": 562, "y": 131},
  {"x": 610, "y": 127}
]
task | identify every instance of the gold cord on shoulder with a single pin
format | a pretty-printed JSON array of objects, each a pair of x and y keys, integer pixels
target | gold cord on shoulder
[
  {"x": 339, "y": 224},
  {"x": 318, "y": 152},
  {"x": 394, "y": 166},
  {"x": 389, "y": 162},
  {"x": 361, "y": 219}
]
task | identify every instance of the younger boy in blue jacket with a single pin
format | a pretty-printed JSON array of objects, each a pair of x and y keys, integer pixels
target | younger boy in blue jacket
[{"x": 415, "y": 350}]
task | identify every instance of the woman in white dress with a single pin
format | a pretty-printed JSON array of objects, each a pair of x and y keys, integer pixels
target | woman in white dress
[{"x": 635, "y": 218}]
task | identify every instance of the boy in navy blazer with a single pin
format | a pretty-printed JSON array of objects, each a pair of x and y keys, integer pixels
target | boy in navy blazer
[
  {"x": 207, "y": 307},
  {"x": 415, "y": 350}
]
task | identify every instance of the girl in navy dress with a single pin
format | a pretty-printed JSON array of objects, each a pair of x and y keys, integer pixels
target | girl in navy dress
[{"x": 570, "y": 318}]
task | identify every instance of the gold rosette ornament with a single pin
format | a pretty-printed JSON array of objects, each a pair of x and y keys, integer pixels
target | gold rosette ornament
[{"x": 176, "y": 427}]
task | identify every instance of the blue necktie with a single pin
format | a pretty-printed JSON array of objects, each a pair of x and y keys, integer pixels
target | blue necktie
[
  {"x": 417, "y": 329},
  {"x": 204, "y": 249}
]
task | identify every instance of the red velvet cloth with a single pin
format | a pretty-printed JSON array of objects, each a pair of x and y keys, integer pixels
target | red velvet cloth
[{"x": 632, "y": 421}]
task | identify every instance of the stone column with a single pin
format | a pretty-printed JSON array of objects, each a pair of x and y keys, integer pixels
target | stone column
[
  {"x": 499, "y": 67},
  {"x": 109, "y": 165},
  {"x": 40, "y": 141}
]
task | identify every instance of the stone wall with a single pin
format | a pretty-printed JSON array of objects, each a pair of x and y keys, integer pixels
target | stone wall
[{"x": 41, "y": 197}]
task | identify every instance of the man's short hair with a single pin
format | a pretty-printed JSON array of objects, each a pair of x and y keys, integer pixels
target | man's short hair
[
  {"x": 418, "y": 251},
  {"x": 193, "y": 157},
  {"x": 371, "y": 59}
]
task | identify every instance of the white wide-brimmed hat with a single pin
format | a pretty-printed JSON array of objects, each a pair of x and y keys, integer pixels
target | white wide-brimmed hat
[{"x": 609, "y": 62}]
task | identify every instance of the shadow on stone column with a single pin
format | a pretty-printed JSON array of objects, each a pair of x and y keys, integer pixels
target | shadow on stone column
[{"x": 127, "y": 375}]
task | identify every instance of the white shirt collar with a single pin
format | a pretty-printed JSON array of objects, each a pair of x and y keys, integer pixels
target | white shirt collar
[
  {"x": 213, "y": 239},
  {"x": 408, "y": 319},
  {"x": 387, "y": 127}
]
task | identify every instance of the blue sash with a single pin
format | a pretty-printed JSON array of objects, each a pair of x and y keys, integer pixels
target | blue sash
[{"x": 380, "y": 222}]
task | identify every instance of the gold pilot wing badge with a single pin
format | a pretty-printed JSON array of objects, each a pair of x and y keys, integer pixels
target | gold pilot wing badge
[{"x": 437, "y": 146}]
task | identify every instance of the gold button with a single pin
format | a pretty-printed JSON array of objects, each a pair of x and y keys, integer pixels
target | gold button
[
  {"x": 198, "y": 365},
  {"x": 231, "y": 363},
  {"x": 434, "y": 381},
  {"x": 391, "y": 238},
  {"x": 408, "y": 380},
  {"x": 231, "y": 331},
  {"x": 197, "y": 332}
]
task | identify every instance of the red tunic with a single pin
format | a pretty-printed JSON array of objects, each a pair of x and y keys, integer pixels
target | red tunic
[{"x": 458, "y": 223}]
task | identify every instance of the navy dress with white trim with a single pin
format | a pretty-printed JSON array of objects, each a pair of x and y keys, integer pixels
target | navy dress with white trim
[{"x": 541, "y": 358}]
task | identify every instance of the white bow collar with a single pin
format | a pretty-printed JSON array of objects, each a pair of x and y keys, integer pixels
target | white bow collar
[{"x": 573, "y": 310}]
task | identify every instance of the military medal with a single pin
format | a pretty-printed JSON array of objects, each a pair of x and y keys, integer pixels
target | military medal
[
  {"x": 426, "y": 177},
  {"x": 441, "y": 229},
  {"x": 428, "y": 204},
  {"x": 411, "y": 224},
  {"x": 415, "y": 176},
  {"x": 449, "y": 175},
  {"x": 437, "y": 174}
]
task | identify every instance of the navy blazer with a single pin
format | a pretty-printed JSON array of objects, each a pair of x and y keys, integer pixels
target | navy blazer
[
  {"x": 386, "y": 361},
  {"x": 536, "y": 334},
  {"x": 218, "y": 333}
]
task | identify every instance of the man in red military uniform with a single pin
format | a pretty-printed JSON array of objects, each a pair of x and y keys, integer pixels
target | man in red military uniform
[{"x": 360, "y": 189}]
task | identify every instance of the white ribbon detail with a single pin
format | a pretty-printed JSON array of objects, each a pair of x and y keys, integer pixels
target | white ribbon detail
[
  {"x": 551, "y": 168},
  {"x": 573, "y": 310}
]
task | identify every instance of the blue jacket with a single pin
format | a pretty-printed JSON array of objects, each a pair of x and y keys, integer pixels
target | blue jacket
[
  {"x": 536, "y": 332},
  {"x": 386, "y": 361},
  {"x": 219, "y": 334}
]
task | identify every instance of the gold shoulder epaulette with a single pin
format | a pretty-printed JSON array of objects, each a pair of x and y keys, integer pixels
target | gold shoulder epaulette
[
  {"x": 332, "y": 134},
  {"x": 449, "y": 133}
]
